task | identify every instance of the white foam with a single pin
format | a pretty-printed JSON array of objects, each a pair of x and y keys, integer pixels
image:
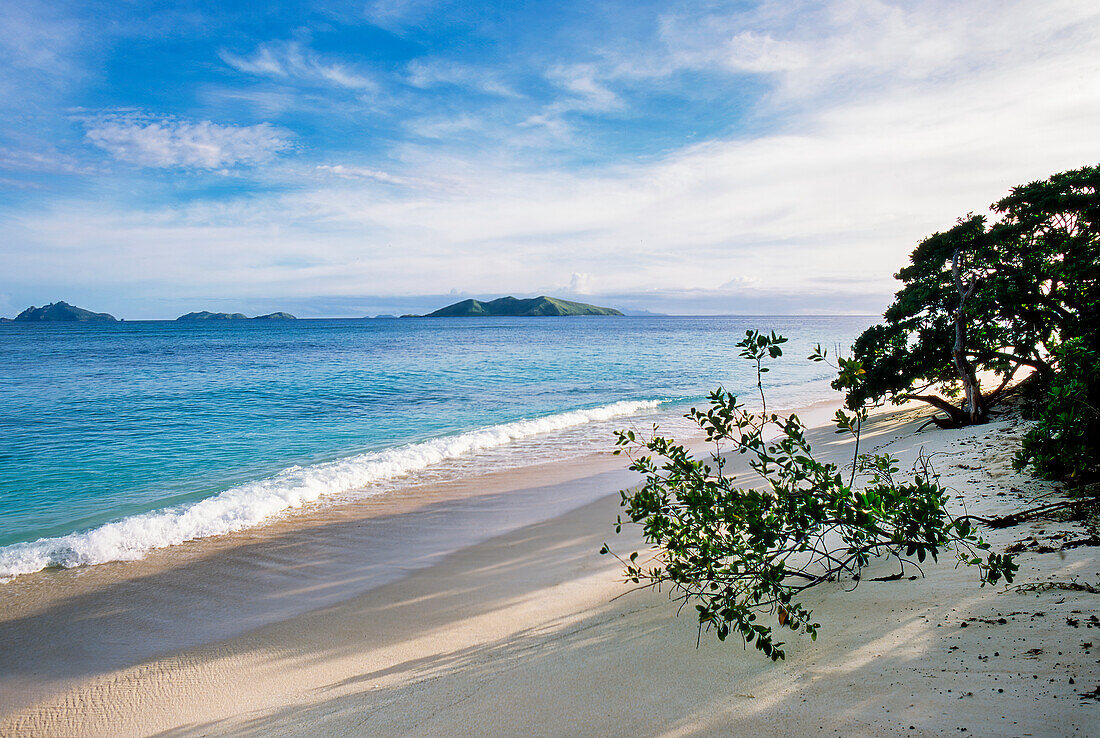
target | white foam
[{"x": 254, "y": 503}]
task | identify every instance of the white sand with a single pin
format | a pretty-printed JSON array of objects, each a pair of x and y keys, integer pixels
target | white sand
[{"x": 521, "y": 634}]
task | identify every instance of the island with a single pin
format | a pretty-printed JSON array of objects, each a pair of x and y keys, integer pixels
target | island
[
  {"x": 206, "y": 315},
  {"x": 62, "y": 312},
  {"x": 541, "y": 306}
]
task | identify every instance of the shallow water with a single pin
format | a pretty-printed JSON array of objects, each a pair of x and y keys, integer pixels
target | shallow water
[{"x": 117, "y": 439}]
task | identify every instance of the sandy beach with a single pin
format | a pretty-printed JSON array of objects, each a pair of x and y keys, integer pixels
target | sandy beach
[
  {"x": 419, "y": 368},
  {"x": 483, "y": 608}
]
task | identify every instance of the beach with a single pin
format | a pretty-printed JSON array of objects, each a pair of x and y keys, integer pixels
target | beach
[
  {"x": 489, "y": 610},
  {"x": 418, "y": 368}
]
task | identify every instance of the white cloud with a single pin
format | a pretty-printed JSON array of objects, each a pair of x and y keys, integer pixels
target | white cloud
[
  {"x": 740, "y": 282},
  {"x": 395, "y": 15},
  {"x": 580, "y": 283},
  {"x": 293, "y": 61},
  {"x": 45, "y": 159},
  {"x": 851, "y": 46},
  {"x": 426, "y": 73},
  {"x": 264, "y": 103},
  {"x": 168, "y": 142}
]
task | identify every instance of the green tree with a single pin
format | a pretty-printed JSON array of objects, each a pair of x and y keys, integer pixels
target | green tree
[
  {"x": 935, "y": 328},
  {"x": 1047, "y": 261},
  {"x": 989, "y": 300}
]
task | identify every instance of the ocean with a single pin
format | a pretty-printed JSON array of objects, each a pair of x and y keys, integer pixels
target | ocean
[{"x": 122, "y": 438}]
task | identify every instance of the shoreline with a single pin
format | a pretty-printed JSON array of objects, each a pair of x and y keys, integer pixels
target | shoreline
[
  {"x": 520, "y": 632},
  {"x": 473, "y": 457},
  {"x": 304, "y": 488},
  {"x": 288, "y": 567}
]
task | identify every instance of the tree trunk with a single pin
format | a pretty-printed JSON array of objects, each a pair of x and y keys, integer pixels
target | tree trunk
[
  {"x": 956, "y": 418},
  {"x": 975, "y": 406}
]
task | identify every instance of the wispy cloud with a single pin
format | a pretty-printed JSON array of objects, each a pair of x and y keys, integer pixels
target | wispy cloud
[
  {"x": 37, "y": 46},
  {"x": 394, "y": 15},
  {"x": 361, "y": 173},
  {"x": 444, "y": 127},
  {"x": 40, "y": 65},
  {"x": 582, "y": 90},
  {"x": 168, "y": 142},
  {"x": 586, "y": 91},
  {"x": 292, "y": 61},
  {"x": 45, "y": 159},
  {"x": 426, "y": 73},
  {"x": 813, "y": 49}
]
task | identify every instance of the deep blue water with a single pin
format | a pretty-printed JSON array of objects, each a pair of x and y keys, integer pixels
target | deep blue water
[{"x": 101, "y": 423}]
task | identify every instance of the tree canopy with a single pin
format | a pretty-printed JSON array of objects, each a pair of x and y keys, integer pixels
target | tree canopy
[{"x": 989, "y": 299}]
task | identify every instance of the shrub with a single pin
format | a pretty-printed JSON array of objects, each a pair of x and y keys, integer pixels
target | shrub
[
  {"x": 742, "y": 551},
  {"x": 1065, "y": 443}
]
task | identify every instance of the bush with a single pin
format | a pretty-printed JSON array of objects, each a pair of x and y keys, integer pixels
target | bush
[
  {"x": 1065, "y": 443},
  {"x": 739, "y": 552}
]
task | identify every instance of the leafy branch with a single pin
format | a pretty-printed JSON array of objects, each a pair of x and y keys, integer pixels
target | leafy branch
[{"x": 742, "y": 553}]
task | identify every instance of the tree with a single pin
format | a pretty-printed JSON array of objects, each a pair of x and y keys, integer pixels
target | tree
[
  {"x": 993, "y": 301},
  {"x": 741, "y": 552},
  {"x": 1051, "y": 233},
  {"x": 1047, "y": 262},
  {"x": 936, "y": 327}
]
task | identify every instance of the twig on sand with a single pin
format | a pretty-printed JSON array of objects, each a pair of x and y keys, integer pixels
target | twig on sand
[
  {"x": 1073, "y": 586},
  {"x": 1006, "y": 521}
]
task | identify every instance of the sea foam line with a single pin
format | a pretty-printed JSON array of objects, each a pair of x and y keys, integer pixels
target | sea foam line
[{"x": 254, "y": 503}]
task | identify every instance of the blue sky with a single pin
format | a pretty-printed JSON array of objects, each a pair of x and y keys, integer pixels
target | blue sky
[{"x": 335, "y": 158}]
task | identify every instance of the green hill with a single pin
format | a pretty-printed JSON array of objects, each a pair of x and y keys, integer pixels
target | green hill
[
  {"x": 62, "y": 312},
  {"x": 511, "y": 306},
  {"x": 205, "y": 315}
]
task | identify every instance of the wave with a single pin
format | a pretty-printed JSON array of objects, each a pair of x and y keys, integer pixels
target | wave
[{"x": 254, "y": 503}]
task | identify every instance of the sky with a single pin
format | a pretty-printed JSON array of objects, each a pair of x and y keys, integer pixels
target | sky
[{"x": 349, "y": 158}]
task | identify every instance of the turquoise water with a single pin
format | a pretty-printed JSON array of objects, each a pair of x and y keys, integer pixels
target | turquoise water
[{"x": 115, "y": 439}]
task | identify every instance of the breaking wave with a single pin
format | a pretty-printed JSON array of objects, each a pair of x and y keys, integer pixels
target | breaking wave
[{"x": 255, "y": 503}]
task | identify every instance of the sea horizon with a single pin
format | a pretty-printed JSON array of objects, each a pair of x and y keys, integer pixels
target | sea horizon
[{"x": 874, "y": 316}]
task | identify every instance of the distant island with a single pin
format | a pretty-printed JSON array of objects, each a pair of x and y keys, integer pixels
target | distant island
[
  {"x": 644, "y": 314},
  {"x": 510, "y": 306},
  {"x": 206, "y": 315},
  {"x": 62, "y": 312},
  {"x": 542, "y": 306}
]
